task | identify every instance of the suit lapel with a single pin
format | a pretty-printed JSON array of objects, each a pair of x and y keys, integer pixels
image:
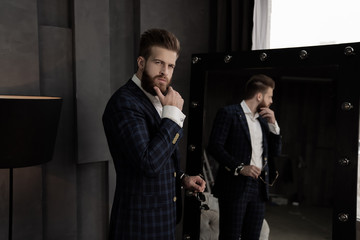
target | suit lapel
[
  {"x": 243, "y": 122},
  {"x": 264, "y": 128},
  {"x": 263, "y": 123}
]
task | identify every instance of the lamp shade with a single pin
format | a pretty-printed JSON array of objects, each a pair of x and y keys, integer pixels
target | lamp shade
[{"x": 28, "y": 129}]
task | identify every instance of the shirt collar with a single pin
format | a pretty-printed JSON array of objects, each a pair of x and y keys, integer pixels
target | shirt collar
[{"x": 247, "y": 110}]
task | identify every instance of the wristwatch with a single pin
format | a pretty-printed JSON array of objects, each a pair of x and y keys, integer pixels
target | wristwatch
[{"x": 238, "y": 169}]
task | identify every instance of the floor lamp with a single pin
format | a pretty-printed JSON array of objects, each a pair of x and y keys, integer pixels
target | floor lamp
[{"x": 28, "y": 127}]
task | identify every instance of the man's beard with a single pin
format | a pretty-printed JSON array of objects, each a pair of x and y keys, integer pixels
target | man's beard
[
  {"x": 262, "y": 105},
  {"x": 148, "y": 83}
]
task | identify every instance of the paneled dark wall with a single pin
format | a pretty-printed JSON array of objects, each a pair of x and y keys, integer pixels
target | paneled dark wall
[
  {"x": 92, "y": 74},
  {"x": 124, "y": 18},
  {"x": 19, "y": 46},
  {"x": 19, "y": 74},
  {"x": 59, "y": 175},
  {"x": 81, "y": 51}
]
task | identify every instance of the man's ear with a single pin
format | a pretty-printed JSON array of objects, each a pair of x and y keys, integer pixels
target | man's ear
[
  {"x": 141, "y": 62},
  {"x": 259, "y": 96}
]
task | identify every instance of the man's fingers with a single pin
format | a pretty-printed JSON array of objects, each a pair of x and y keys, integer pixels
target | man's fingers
[
  {"x": 252, "y": 171},
  {"x": 268, "y": 114},
  {"x": 255, "y": 173},
  {"x": 159, "y": 93},
  {"x": 202, "y": 184},
  {"x": 199, "y": 184}
]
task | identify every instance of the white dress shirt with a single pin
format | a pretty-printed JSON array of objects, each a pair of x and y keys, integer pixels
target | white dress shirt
[
  {"x": 256, "y": 135},
  {"x": 167, "y": 111}
]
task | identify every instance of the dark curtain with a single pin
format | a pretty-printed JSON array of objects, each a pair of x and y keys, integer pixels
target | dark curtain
[{"x": 231, "y": 25}]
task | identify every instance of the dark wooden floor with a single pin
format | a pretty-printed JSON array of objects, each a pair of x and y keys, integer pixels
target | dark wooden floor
[{"x": 298, "y": 223}]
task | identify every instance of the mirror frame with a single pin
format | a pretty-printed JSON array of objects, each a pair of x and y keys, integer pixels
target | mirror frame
[{"x": 347, "y": 58}]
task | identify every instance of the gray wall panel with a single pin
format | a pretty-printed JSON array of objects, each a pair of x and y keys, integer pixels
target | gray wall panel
[
  {"x": 122, "y": 57},
  {"x": 19, "y": 74},
  {"x": 27, "y": 221},
  {"x": 4, "y": 203},
  {"x": 19, "y": 62},
  {"x": 92, "y": 61},
  {"x": 122, "y": 31},
  {"x": 59, "y": 186},
  {"x": 93, "y": 201},
  {"x": 27, "y": 203},
  {"x": 54, "y": 13}
]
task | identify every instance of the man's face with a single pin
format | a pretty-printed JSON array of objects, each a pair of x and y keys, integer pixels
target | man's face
[
  {"x": 267, "y": 98},
  {"x": 158, "y": 70}
]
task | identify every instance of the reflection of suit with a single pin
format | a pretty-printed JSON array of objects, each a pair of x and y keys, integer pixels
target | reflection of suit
[
  {"x": 230, "y": 145},
  {"x": 144, "y": 151}
]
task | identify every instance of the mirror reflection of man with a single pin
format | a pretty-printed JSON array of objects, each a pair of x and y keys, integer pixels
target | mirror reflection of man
[
  {"x": 143, "y": 123},
  {"x": 244, "y": 139}
]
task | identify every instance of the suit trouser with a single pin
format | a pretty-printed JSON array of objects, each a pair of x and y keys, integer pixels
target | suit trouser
[{"x": 242, "y": 218}]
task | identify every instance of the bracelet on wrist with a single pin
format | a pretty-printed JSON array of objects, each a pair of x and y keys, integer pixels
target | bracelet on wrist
[
  {"x": 238, "y": 169},
  {"x": 183, "y": 176}
]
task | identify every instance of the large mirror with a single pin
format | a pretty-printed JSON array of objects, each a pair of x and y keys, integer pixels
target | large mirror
[{"x": 316, "y": 103}]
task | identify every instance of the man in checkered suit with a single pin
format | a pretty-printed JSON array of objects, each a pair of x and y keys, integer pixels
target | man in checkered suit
[
  {"x": 244, "y": 139},
  {"x": 143, "y": 123}
]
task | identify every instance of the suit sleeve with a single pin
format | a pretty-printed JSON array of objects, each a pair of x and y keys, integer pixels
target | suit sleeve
[
  {"x": 275, "y": 145},
  {"x": 132, "y": 134},
  {"x": 218, "y": 138}
]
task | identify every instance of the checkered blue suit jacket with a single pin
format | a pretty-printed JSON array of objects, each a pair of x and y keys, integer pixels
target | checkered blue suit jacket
[
  {"x": 230, "y": 145},
  {"x": 144, "y": 149}
]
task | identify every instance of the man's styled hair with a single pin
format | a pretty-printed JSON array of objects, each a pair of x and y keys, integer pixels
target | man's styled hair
[
  {"x": 159, "y": 38},
  {"x": 258, "y": 83}
]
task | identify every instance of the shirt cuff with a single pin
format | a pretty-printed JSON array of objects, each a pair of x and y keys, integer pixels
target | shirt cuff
[
  {"x": 274, "y": 128},
  {"x": 174, "y": 113}
]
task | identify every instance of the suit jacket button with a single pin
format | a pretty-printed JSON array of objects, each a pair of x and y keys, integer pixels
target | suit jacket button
[{"x": 174, "y": 199}]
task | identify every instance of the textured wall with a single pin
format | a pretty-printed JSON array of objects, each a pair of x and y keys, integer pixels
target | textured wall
[
  {"x": 124, "y": 18},
  {"x": 19, "y": 61},
  {"x": 59, "y": 175},
  {"x": 92, "y": 61},
  {"x": 19, "y": 74},
  {"x": 93, "y": 201}
]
